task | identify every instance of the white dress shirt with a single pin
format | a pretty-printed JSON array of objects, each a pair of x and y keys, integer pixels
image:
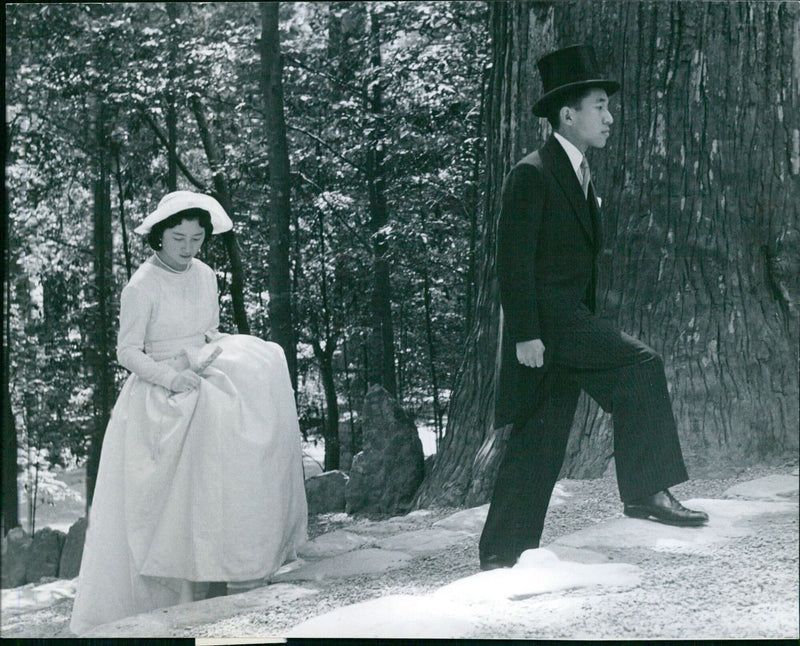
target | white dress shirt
[{"x": 575, "y": 155}]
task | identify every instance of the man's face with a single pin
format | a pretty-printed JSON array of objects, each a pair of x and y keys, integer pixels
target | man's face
[{"x": 589, "y": 125}]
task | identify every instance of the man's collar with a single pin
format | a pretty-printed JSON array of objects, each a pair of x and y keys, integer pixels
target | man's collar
[{"x": 575, "y": 155}]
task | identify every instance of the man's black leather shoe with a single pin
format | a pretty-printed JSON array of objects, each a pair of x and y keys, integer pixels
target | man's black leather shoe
[
  {"x": 495, "y": 562},
  {"x": 664, "y": 507}
]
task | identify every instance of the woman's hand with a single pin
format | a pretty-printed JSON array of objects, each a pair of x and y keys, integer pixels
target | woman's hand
[{"x": 185, "y": 381}]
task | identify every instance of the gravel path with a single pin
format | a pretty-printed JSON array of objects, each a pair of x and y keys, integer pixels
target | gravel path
[
  {"x": 679, "y": 596},
  {"x": 741, "y": 590}
]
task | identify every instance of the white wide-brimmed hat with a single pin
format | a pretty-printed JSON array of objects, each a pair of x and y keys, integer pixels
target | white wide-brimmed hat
[{"x": 176, "y": 201}]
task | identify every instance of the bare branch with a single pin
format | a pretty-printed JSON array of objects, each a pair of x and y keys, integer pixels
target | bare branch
[
  {"x": 365, "y": 242},
  {"x": 325, "y": 144},
  {"x": 163, "y": 139}
]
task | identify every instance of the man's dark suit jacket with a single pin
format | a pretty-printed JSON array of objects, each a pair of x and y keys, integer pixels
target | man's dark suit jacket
[{"x": 549, "y": 237}]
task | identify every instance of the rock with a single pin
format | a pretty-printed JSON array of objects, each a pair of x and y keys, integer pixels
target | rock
[
  {"x": 16, "y": 549},
  {"x": 364, "y": 561},
  {"x": 310, "y": 467},
  {"x": 325, "y": 492},
  {"x": 422, "y": 541},
  {"x": 774, "y": 487},
  {"x": 467, "y": 520},
  {"x": 345, "y": 446},
  {"x": 45, "y": 554},
  {"x": 71, "y": 555},
  {"x": 331, "y": 544},
  {"x": 385, "y": 476}
]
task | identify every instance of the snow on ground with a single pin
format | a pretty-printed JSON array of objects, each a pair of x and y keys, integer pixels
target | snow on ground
[
  {"x": 455, "y": 610},
  {"x": 538, "y": 572},
  {"x": 396, "y": 616},
  {"x": 31, "y": 596},
  {"x": 64, "y": 512}
]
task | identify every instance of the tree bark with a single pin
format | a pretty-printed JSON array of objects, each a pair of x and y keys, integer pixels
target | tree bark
[
  {"x": 474, "y": 206},
  {"x": 431, "y": 342},
  {"x": 330, "y": 431},
  {"x": 126, "y": 249},
  {"x": 102, "y": 346},
  {"x": 703, "y": 216},
  {"x": 10, "y": 499},
  {"x": 701, "y": 207},
  {"x": 172, "y": 117},
  {"x": 324, "y": 355},
  {"x": 280, "y": 215},
  {"x": 381, "y": 337},
  {"x": 223, "y": 195}
]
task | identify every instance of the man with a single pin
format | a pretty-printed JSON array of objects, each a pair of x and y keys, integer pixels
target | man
[{"x": 553, "y": 344}]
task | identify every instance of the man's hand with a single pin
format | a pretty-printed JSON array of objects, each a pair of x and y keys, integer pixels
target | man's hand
[
  {"x": 185, "y": 381},
  {"x": 531, "y": 353}
]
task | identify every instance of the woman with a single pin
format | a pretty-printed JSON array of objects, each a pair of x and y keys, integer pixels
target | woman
[{"x": 200, "y": 477}]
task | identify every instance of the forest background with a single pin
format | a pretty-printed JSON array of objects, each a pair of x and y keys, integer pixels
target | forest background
[{"x": 360, "y": 148}]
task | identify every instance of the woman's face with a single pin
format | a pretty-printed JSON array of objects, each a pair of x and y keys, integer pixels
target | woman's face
[{"x": 181, "y": 243}]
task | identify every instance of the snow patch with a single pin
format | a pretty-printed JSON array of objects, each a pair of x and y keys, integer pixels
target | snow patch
[
  {"x": 396, "y": 616},
  {"x": 32, "y": 596},
  {"x": 537, "y": 572}
]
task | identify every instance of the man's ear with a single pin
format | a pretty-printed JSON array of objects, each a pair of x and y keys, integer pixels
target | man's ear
[{"x": 565, "y": 113}]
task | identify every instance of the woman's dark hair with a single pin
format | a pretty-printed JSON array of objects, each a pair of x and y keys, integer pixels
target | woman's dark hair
[
  {"x": 571, "y": 97},
  {"x": 202, "y": 216}
]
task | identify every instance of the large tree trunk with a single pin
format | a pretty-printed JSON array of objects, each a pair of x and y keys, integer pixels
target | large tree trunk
[
  {"x": 701, "y": 203},
  {"x": 102, "y": 324},
  {"x": 280, "y": 215},
  {"x": 703, "y": 215},
  {"x": 381, "y": 337}
]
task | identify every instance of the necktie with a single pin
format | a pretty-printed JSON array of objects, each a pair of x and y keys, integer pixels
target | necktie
[{"x": 587, "y": 177}]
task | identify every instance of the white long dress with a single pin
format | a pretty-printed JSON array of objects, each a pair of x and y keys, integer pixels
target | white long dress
[{"x": 200, "y": 486}]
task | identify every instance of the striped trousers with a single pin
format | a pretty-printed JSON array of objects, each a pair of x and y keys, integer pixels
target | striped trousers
[{"x": 627, "y": 379}]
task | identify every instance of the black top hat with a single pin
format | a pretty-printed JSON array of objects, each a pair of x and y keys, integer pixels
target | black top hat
[{"x": 568, "y": 68}]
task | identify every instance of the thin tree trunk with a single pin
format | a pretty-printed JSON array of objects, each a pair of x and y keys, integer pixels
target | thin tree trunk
[
  {"x": 10, "y": 500},
  {"x": 381, "y": 339},
  {"x": 121, "y": 193},
  {"x": 280, "y": 215},
  {"x": 355, "y": 445},
  {"x": 102, "y": 245},
  {"x": 324, "y": 356},
  {"x": 223, "y": 194},
  {"x": 429, "y": 338},
  {"x": 330, "y": 430},
  {"x": 173, "y": 9}
]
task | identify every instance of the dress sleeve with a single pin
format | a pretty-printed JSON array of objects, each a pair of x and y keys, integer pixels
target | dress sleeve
[{"x": 134, "y": 313}]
